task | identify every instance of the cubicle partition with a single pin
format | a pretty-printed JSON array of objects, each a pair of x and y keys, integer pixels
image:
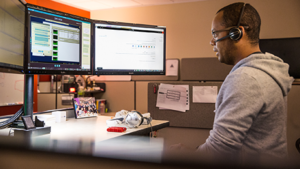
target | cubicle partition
[
  {"x": 199, "y": 115},
  {"x": 203, "y": 69},
  {"x": 193, "y": 72}
]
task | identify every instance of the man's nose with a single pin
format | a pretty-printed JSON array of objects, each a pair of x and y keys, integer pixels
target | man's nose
[{"x": 212, "y": 42}]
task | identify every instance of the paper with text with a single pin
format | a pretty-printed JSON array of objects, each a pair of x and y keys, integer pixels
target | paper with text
[
  {"x": 205, "y": 94},
  {"x": 171, "y": 97},
  {"x": 187, "y": 105},
  {"x": 171, "y": 67}
]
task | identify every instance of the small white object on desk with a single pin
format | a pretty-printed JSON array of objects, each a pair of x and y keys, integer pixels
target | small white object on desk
[{"x": 60, "y": 116}]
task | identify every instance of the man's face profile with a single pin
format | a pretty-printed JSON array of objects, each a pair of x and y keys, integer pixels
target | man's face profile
[{"x": 225, "y": 47}]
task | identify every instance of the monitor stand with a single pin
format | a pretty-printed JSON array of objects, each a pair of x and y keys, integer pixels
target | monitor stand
[
  {"x": 28, "y": 95},
  {"x": 28, "y": 110}
]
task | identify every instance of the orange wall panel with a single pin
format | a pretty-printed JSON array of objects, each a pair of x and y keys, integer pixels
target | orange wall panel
[
  {"x": 60, "y": 7},
  {"x": 45, "y": 78},
  {"x": 8, "y": 110}
]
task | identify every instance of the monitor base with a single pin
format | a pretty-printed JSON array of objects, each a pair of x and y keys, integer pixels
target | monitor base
[{"x": 32, "y": 132}]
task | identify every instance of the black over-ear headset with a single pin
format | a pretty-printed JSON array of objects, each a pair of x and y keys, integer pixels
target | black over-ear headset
[{"x": 235, "y": 33}]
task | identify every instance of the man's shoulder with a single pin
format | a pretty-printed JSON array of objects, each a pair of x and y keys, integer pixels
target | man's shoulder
[
  {"x": 244, "y": 77},
  {"x": 247, "y": 71}
]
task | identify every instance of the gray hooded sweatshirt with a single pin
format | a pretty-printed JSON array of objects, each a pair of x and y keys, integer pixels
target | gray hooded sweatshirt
[{"x": 251, "y": 109}]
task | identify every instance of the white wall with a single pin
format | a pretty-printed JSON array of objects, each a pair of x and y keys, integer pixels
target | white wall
[{"x": 189, "y": 24}]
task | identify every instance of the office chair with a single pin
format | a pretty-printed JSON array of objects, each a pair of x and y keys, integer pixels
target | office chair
[{"x": 298, "y": 145}]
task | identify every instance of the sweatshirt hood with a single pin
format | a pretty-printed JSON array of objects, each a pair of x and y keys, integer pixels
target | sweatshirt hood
[{"x": 272, "y": 65}]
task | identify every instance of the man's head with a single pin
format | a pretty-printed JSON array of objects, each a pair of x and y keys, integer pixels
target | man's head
[{"x": 230, "y": 51}]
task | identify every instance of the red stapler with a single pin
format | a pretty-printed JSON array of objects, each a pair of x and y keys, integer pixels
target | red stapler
[{"x": 116, "y": 129}]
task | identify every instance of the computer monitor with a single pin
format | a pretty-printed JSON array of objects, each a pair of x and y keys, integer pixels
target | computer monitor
[
  {"x": 285, "y": 48},
  {"x": 56, "y": 42},
  {"x": 128, "y": 49},
  {"x": 12, "y": 19}
]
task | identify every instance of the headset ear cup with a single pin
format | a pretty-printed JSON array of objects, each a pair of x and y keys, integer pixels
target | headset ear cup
[
  {"x": 142, "y": 117},
  {"x": 235, "y": 33},
  {"x": 132, "y": 118}
]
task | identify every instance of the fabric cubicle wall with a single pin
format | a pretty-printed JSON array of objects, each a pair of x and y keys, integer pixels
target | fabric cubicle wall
[{"x": 193, "y": 72}]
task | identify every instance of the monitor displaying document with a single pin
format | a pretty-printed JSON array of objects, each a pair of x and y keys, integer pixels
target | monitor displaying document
[{"x": 129, "y": 49}]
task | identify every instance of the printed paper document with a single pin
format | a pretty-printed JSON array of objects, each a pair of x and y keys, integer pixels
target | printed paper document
[
  {"x": 205, "y": 94},
  {"x": 171, "y": 97}
]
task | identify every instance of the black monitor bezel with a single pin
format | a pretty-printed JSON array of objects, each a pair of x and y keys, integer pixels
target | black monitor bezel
[
  {"x": 126, "y": 72},
  {"x": 9, "y": 68},
  {"x": 12, "y": 68},
  {"x": 27, "y": 43}
]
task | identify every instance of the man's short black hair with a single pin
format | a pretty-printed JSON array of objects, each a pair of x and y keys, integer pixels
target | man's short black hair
[{"x": 250, "y": 18}]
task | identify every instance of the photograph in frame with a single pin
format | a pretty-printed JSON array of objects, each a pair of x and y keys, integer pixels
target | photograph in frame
[{"x": 84, "y": 107}]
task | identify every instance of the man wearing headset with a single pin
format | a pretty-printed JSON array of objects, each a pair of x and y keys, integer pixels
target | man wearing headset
[{"x": 251, "y": 107}]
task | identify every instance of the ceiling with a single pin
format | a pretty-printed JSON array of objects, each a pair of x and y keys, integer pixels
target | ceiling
[{"x": 91, "y": 5}]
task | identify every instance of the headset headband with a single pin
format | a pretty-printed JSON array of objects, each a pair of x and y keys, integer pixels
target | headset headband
[
  {"x": 241, "y": 15},
  {"x": 237, "y": 26}
]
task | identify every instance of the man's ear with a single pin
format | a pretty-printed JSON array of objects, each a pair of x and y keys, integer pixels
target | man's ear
[{"x": 242, "y": 28}]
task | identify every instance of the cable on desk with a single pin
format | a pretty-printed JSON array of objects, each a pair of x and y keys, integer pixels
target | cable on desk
[
  {"x": 151, "y": 130},
  {"x": 13, "y": 118},
  {"x": 149, "y": 122},
  {"x": 10, "y": 132}
]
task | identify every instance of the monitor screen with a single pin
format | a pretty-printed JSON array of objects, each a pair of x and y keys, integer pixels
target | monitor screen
[
  {"x": 129, "y": 49},
  {"x": 12, "y": 20},
  {"x": 57, "y": 43},
  {"x": 287, "y": 49}
]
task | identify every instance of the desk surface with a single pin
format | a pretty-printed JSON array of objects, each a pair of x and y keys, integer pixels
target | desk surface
[
  {"x": 93, "y": 129},
  {"x": 89, "y": 136}
]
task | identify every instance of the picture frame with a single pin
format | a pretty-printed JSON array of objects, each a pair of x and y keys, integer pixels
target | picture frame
[
  {"x": 84, "y": 107},
  {"x": 28, "y": 122}
]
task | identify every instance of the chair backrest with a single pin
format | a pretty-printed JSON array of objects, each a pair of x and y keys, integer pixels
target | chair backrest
[{"x": 298, "y": 145}]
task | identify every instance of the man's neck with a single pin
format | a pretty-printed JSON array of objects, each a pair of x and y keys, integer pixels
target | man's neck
[{"x": 246, "y": 51}]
